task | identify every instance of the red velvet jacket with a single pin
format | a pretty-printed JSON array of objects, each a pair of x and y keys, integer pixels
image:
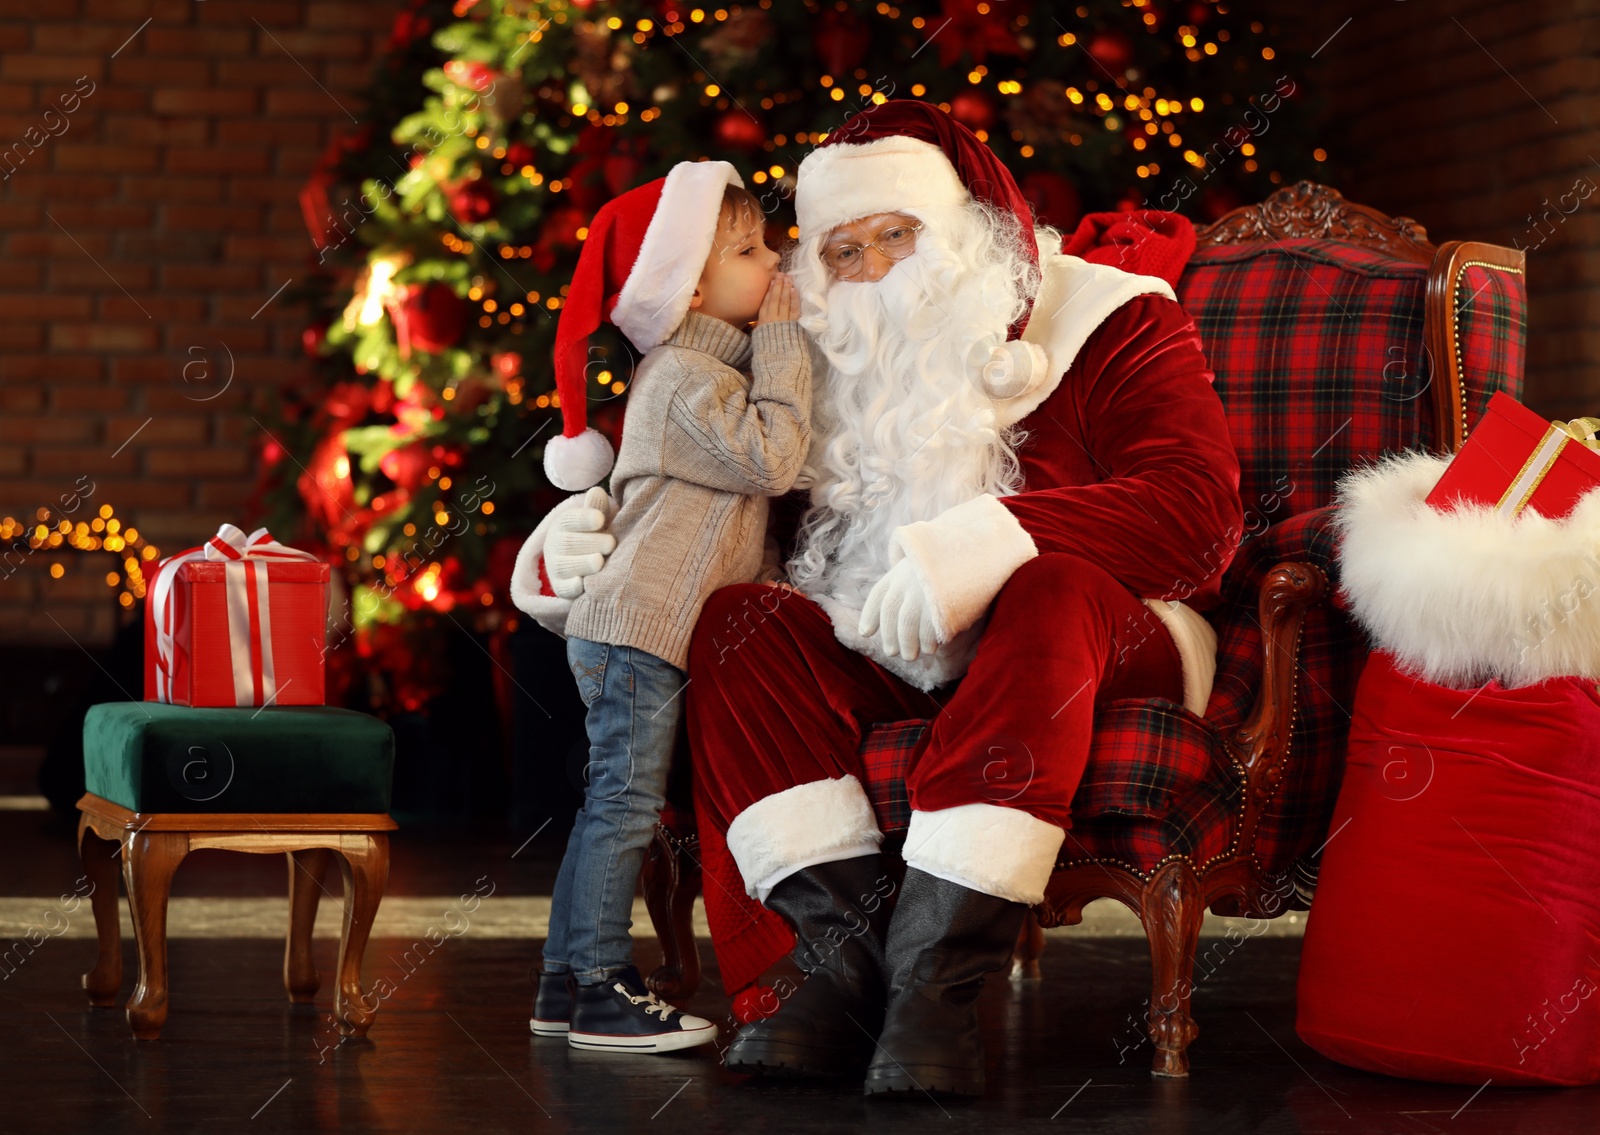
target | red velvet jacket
[{"x": 1129, "y": 461}]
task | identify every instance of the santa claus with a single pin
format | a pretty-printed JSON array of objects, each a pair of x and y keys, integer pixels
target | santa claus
[{"x": 1021, "y": 494}]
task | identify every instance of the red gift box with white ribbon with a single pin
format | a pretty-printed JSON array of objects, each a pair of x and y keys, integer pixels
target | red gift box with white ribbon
[
  {"x": 238, "y": 621},
  {"x": 1514, "y": 459}
]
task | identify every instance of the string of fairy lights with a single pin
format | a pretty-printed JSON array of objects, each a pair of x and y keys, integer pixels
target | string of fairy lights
[
  {"x": 1113, "y": 103},
  {"x": 49, "y": 532}
]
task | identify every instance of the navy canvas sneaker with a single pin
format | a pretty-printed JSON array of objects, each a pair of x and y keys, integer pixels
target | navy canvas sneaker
[
  {"x": 552, "y": 1005},
  {"x": 621, "y": 1014}
]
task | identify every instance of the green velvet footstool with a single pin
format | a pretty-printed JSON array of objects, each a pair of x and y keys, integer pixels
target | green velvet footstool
[{"x": 164, "y": 780}]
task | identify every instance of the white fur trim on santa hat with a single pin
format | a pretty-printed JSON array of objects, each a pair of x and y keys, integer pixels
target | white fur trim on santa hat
[
  {"x": 578, "y": 463},
  {"x": 817, "y": 822},
  {"x": 1003, "y": 852},
  {"x": 1197, "y": 650},
  {"x": 676, "y": 246},
  {"x": 846, "y": 181},
  {"x": 1075, "y": 297},
  {"x": 1466, "y": 595},
  {"x": 549, "y": 611}
]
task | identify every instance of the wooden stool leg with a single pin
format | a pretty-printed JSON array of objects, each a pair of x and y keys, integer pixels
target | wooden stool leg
[
  {"x": 1030, "y": 948},
  {"x": 100, "y": 867},
  {"x": 671, "y": 880},
  {"x": 364, "y": 863},
  {"x": 307, "y": 869},
  {"x": 1172, "y": 913},
  {"x": 148, "y": 862}
]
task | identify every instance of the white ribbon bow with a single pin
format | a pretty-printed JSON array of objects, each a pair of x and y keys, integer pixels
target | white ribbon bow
[{"x": 240, "y": 555}]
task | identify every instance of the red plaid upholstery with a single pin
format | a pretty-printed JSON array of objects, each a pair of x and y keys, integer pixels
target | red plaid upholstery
[
  {"x": 1147, "y": 756},
  {"x": 1318, "y": 351}
]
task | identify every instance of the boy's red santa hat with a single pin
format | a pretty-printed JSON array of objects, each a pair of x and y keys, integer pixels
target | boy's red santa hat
[{"x": 641, "y": 260}]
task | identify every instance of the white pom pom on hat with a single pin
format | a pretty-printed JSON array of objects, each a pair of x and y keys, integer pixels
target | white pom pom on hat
[{"x": 641, "y": 260}]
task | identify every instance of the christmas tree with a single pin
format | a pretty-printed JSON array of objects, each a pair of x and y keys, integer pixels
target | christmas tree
[{"x": 412, "y": 453}]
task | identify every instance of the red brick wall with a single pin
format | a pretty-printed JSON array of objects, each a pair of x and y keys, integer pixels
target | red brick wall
[
  {"x": 145, "y": 233},
  {"x": 1480, "y": 140}
]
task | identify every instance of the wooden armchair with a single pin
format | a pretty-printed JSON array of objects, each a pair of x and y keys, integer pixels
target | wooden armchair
[{"x": 1336, "y": 334}]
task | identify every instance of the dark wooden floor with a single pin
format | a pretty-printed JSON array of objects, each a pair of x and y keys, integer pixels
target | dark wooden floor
[{"x": 451, "y": 1050}]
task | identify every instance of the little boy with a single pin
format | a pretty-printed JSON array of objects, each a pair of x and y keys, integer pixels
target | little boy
[{"x": 705, "y": 444}]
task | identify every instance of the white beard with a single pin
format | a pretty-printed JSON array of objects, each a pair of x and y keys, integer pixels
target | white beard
[{"x": 903, "y": 429}]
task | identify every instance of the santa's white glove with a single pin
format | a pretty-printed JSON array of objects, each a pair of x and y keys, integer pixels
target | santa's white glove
[
  {"x": 578, "y": 543},
  {"x": 900, "y": 612}
]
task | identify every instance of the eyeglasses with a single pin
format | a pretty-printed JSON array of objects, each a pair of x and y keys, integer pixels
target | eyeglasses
[{"x": 896, "y": 242}]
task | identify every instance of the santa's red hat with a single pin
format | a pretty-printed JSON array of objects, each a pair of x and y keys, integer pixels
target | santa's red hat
[{"x": 641, "y": 260}]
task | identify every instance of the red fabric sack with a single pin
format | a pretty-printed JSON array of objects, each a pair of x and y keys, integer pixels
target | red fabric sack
[{"x": 1455, "y": 934}]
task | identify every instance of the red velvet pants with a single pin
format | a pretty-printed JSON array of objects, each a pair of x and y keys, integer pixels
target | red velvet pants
[{"x": 775, "y": 700}]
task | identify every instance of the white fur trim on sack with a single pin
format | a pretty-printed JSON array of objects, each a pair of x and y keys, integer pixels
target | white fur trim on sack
[
  {"x": 847, "y": 181},
  {"x": 677, "y": 243},
  {"x": 963, "y": 557},
  {"x": 1197, "y": 650},
  {"x": 1463, "y": 596},
  {"x": 549, "y": 611},
  {"x": 817, "y": 822},
  {"x": 1075, "y": 297},
  {"x": 574, "y": 464},
  {"x": 1003, "y": 852}
]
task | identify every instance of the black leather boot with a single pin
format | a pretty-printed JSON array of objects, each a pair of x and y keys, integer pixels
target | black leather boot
[
  {"x": 826, "y": 1027},
  {"x": 943, "y": 941}
]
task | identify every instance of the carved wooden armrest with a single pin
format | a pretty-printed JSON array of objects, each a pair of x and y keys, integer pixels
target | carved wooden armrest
[{"x": 1261, "y": 744}]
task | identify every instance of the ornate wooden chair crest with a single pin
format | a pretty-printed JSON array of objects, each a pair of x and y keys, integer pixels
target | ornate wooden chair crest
[{"x": 1336, "y": 334}]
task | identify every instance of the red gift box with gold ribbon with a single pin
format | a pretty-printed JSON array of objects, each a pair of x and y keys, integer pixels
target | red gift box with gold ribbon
[
  {"x": 1514, "y": 460},
  {"x": 238, "y": 621}
]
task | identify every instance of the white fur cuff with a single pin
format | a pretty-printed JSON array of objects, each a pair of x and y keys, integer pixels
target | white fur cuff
[
  {"x": 1003, "y": 852},
  {"x": 964, "y": 557},
  {"x": 1463, "y": 596},
  {"x": 799, "y": 827},
  {"x": 549, "y": 611}
]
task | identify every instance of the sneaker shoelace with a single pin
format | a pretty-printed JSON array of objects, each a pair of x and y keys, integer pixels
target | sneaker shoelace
[{"x": 651, "y": 1003}]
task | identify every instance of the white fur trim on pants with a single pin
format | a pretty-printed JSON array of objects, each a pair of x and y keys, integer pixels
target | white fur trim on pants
[
  {"x": 818, "y": 822},
  {"x": 1003, "y": 852},
  {"x": 1197, "y": 650},
  {"x": 1466, "y": 595}
]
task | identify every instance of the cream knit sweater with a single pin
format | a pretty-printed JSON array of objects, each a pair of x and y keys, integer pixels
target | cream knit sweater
[{"x": 703, "y": 446}]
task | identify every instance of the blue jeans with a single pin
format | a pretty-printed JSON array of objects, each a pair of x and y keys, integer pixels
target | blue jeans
[{"x": 634, "y": 702}]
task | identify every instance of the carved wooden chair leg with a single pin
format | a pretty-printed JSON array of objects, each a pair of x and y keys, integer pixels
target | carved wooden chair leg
[
  {"x": 1172, "y": 912},
  {"x": 1030, "y": 948},
  {"x": 101, "y": 867},
  {"x": 307, "y": 869},
  {"x": 671, "y": 880},
  {"x": 364, "y": 864},
  {"x": 149, "y": 860}
]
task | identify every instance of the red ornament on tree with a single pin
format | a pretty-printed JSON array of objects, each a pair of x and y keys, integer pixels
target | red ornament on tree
[
  {"x": 841, "y": 40},
  {"x": 520, "y": 154},
  {"x": 737, "y": 130},
  {"x": 311, "y": 339},
  {"x": 406, "y": 466},
  {"x": 1112, "y": 49},
  {"x": 973, "y": 109},
  {"x": 428, "y": 317},
  {"x": 472, "y": 202}
]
